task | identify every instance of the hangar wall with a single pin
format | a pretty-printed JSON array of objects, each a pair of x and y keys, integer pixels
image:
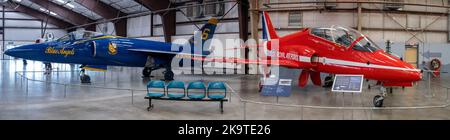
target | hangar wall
[{"x": 22, "y": 29}]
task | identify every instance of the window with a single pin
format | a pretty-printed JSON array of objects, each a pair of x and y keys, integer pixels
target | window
[
  {"x": 394, "y": 6},
  {"x": 342, "y": 37},
  {"x": 327, "y": 5},
  {"x": 193, "y": 11},
  {"x": 323, "y": 33},
  {"x": 214, "y": 9},
  {"x": 295, "y": 19},
  {"x": 366, "y": 45},
  {"x": 190, "y": 10},
  {"x": 210, "y": 9},
  {"x": 64, "y": 38},
  {"x": 220, "y": 9}
]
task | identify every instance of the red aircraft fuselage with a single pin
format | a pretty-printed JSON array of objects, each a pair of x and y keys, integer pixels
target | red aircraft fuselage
[{"x": 336, "y": 50}]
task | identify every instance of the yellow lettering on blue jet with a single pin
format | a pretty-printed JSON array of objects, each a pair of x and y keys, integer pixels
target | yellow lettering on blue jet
[{"x": 63, "y": 51}]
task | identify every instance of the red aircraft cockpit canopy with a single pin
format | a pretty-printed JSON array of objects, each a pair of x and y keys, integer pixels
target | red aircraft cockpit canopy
[{"x": 346, "y": 37}]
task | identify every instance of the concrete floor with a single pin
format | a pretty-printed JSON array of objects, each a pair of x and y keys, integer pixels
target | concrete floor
[{"x": 48, "y": 101}]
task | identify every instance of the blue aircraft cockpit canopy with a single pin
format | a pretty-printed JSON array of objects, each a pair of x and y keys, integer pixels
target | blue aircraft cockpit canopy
[{"x": 80, "y": 35}]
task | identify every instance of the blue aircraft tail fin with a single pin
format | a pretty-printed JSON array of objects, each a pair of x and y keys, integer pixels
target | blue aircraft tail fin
[{"x": 205, "y": 33}]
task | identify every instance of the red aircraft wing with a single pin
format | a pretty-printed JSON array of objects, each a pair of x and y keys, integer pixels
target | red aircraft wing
[{"x": 284, "y": 63}]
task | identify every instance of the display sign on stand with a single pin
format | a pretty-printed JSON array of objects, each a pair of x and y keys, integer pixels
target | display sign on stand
[
  {"x": 348, "y": 83},
  {"x": 276, "y": 87}
]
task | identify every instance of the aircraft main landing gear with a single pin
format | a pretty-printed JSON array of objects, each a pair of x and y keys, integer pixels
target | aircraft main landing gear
[
  {"x": 48, "y": 68},
  {"x": 168, "y": 75},
  {"x": 147, "y": 72},
  {"x": 84, "y": 78}
]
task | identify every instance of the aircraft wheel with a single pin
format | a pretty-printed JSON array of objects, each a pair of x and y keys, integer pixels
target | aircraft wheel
[
  {"x": 368, "y": 86},
  {"x": 378, "y": 101},
  {"x": 168, "y": 75},
  {"x": 147, "y": 72},
  {"x": 85, "y": 79}
]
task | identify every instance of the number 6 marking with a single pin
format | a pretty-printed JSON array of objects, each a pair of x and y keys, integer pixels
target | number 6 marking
[{"x": 205, "y": 34}]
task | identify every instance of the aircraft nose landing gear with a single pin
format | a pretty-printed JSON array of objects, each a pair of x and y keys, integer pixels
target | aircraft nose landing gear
[{"x": 378, "y": 99}]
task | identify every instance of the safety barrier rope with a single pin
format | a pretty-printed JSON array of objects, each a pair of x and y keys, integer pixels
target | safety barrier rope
[{"x": 250, "y": 101}]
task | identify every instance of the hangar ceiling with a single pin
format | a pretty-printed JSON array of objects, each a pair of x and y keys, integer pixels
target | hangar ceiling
[
  {"x": 79, "y": 9},
  {"x": 88, "y": 13}
]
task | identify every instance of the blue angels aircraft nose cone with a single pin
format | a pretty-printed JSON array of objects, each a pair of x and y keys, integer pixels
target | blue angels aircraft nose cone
[
  {"x": 8, "y": 52},
  {"x": 16, "y": 52}
]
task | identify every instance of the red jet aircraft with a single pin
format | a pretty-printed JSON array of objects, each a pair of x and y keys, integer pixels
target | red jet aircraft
[{"x": 333, "y": 50}]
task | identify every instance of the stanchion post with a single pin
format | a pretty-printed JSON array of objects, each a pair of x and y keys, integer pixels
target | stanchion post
[
  {"x": 301, "y": 111},
  {"x": 343, "y": 105},
  {"x": 277, "y": 99},
  {"x": 132, "y": 97},
  {"x": 21, "y": 80},
  {"x": 26, "y": 82},
  {"x": 245, "y": 106},
  {"x": 447, "y": 95},
  {"x": 65, "y": 90},
  {"x": 104, "y": 78},
  {"x": 352, "y": 105},
  {"x": 429, "y": 83},
  {"x": 230, "y": 96}
]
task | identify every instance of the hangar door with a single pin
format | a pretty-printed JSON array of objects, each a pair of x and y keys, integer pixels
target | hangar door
[{"x": 411, "y": 55}]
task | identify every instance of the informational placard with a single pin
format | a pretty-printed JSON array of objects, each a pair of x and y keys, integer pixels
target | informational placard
[
  {"x": 348, "y": 83},
  {"x": 276, "y": 87}
]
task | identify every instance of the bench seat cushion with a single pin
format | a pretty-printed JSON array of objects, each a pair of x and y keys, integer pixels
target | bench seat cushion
[
  {"x": 216, "y": 96},
  {"x": 196, "y": 96},
  {"x": 175, "y": 95},
  {"x": 155, "y": 94}
]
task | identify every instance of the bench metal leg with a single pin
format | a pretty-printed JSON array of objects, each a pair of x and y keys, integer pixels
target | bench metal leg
[
  {"x": 221, "y": 107},
  {"x": 150, "y": 105}
]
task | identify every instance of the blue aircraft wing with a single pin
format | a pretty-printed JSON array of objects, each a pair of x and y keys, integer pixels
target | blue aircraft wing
[{"x": 166, "y": 52}]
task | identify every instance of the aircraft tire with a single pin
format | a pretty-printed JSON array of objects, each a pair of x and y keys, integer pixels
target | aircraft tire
[
  {"x": 147, "y": 72},
  {"x": 168, "y": 75},
  {"x": 85, "y": 79},
  {"x": 377, "y": 102}
]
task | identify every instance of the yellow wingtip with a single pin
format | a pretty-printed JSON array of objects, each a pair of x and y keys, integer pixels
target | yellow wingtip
[
  {"x": 213, "y": 21},
  {"x": 94, "y": 69}
]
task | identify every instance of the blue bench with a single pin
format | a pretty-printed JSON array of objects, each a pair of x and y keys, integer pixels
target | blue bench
[{"x": 195, "y": 91}]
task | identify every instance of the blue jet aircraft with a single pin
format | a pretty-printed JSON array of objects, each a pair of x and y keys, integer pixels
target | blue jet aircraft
[{"x": 96, "y": 51}]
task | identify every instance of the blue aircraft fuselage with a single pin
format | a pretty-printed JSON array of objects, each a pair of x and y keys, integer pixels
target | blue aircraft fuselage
[
  {"x": 101, "y": 50},
  {"x": 96, "y": 51}
]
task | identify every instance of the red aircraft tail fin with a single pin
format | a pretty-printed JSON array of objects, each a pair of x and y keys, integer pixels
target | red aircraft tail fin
[{"x": 269, "y": 32}]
